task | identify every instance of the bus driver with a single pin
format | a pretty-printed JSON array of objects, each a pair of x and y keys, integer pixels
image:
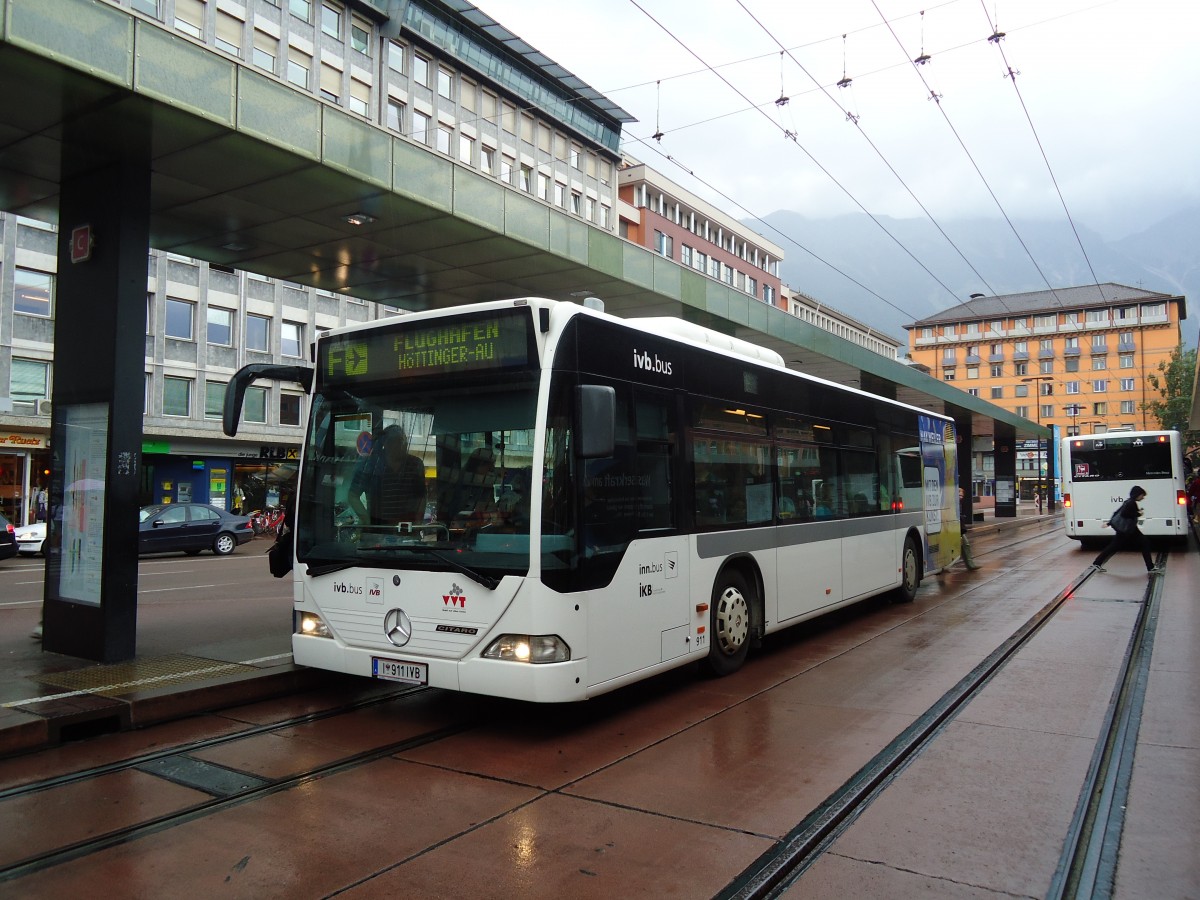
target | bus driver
[{"x": 393, "y": 481}]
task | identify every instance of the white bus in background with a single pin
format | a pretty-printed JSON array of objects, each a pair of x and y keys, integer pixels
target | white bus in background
[
  {"x": 1099, "y": 470},
  {"x": 665, "y": 494}
]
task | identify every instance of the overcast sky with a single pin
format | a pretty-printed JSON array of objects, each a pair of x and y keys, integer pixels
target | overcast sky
[{"x": 1112, "y": 89}]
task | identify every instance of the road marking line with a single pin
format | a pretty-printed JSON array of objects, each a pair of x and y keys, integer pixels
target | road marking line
[{"x": 189, "y": 587}]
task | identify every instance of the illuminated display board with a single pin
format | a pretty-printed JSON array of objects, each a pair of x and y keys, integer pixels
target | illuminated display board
[{"x": 473, "y": 343}]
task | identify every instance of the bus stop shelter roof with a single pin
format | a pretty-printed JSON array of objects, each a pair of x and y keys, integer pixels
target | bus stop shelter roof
[{"x": 250, "y": 173}]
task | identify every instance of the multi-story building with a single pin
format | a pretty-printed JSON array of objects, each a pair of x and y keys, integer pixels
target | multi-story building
[
  {"x": 666, "y": 218},
  {"x": 826, "y": 317},
  {"x": 1074, "y": 357}
]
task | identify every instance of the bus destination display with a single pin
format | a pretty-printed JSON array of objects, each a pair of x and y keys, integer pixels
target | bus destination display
[{"x": 488, "y": 342}]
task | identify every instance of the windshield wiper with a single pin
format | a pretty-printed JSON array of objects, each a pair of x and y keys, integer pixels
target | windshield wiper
[
  {"x": 486, "y": 580},
  {"x": 329, "y": 568}
]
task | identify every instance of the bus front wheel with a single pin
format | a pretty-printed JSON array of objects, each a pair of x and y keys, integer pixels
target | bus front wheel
[
  {"x": 729, "y": 624},
  {"x": 910, "y": 573}
]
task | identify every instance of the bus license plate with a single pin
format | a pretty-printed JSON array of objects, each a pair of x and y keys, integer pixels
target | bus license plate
[{"x": 398, "y": 670}]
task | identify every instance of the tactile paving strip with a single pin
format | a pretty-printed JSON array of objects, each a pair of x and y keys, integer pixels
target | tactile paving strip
[{"x": 142, "y": 674}]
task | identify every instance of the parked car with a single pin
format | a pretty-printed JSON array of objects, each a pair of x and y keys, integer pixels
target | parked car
[
  {"x": 8, "y": 539},
  {"x": 30, "y": 539},
  {"x": 191, "y": 527}
]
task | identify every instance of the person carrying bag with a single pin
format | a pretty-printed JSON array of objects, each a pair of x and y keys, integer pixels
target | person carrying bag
[{"x": 1127, "y": 535}]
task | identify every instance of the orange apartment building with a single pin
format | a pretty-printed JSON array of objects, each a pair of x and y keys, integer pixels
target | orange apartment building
[
  {"x": 662, "y": 216},
  {"x": 1074, "y": 357}
]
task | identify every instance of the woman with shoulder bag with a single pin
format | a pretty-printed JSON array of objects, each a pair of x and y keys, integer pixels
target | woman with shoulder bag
[{"x": 1127, "y": 535}]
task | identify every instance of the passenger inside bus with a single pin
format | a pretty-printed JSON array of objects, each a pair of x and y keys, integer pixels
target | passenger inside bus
[
  {"x": 391, "y": 480},
  {"x": 823, "y": 505}
]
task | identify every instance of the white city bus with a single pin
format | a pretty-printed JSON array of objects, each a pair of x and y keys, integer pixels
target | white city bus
[
  {"x": 1099, "y": 470},
  {"x": 655, "y": 493}
]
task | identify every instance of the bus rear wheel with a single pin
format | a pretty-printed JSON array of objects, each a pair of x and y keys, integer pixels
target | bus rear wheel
[
  {"x": 729, "y": 624},
  {"x": 910, "y": 573}
]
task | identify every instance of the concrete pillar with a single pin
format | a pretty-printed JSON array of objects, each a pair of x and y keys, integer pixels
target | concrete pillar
[{"x": 99, "y": 385}]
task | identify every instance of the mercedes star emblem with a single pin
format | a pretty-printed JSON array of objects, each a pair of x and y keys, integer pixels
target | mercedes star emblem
[{"x": 397, "y": 627}]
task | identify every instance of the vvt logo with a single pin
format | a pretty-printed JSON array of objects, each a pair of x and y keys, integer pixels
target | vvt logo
[
  {"x": 454, "y": 598},
  {"x": 644, "y": 361}
]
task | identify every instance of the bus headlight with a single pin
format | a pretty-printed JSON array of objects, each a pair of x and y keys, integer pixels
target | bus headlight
[
  {"x": 312, "y": 625},
  {"x": 528, "y": 648}
]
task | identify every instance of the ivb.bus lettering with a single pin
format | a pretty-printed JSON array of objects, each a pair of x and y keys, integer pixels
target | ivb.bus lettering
[{"x": 651, "y": 363}]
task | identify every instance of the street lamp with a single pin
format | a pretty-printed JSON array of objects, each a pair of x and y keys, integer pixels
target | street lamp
[{"x": 1041, "y": 486}]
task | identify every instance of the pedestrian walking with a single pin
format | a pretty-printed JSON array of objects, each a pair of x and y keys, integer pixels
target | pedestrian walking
[
  {"x": 1127, "y": 535},
  {"x": 1037, "y": 501}
]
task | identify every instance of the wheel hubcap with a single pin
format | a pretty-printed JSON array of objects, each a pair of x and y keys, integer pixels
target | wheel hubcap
[{"x": 733, "y": 620}]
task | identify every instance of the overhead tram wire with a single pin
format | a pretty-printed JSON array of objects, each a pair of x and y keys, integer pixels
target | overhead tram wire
[
  {"x": 793, "y": 138},
  {"x": 858, "y": 124},
  {"x": 791, "y": 240},
  {"x": 1011, "y": 75},
  {"x": 937, "y": 99}
]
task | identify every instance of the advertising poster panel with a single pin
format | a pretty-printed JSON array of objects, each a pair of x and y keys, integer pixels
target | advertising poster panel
[{"x": 939, "y": 461}]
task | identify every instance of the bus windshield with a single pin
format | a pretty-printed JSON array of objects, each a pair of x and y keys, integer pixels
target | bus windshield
[{"x": 399, "y": 475}]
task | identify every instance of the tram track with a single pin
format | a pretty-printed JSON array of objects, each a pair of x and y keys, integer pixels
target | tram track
[
  {"x": 1089, "y": 852},
  {"x": 255, "y": 788}
]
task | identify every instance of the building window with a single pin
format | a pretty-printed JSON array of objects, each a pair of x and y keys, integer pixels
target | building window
[
  {"x": 466, "y": 149},
  {"x": 560, "y": 194},
  {"x": 487, "y": 159},
  {"x": 395, "y": 57},
  {"x": 331, "y": 82},
  {"x": 1046, "y": 410},
  {"x": 214, "y": 399},
  {"x": 29, "y": 383},
  {"x": 290, "y": 409},
  {"x": 974, "y": 392},
  {"x": 507, "y": 164},
  {"x": 444, "y": 135},
  {"x": 526, "y": 179},
  {"x": 420, "y": 70},
  {"x": 948, "y": 355},
  {"x": 291, "y": 339},
  {"x": 1021, "y": 390},
  {"x": 972, "y": 373},
  {"x": 254, "y": 408},
  {"x": 301, "y": 9},
  {"x": 1127, "y": 408},
  {"x": 258, "y": 333},
  {"x": 663, "y": 244},
  {"x": 33, "y": 293},
  {"x": 360, "y": 37},
  {"x": 1100, "y": 386},
  {"x": 1099, "y": 363},
  {"x": 768, "y": 294},
  {"x": 1072, "y": 342},
  {"x": 1022, "y": 411},
  {"x": 189, "y": 17},
  {"x": 420, "y": 127},
  {"x": 395, "y": 115},
  {"x": 1020, "y": 368},
  {"x": 229, "y": 33},
  {"x": 177, "y": 396},
  {"x": 299, "y": 65},
  {"x": 1046, "y": 388},
  {"x": 997, "y": 393},
  {"x": 360, "y": 97},
  {"x": 179, "y": 319},
  {"x": 1125, "y": 360},
  {"x": 576, "y": 197},
  {"x": 1127, "y": 384},
  {"x": 1071, "y": 363},
  {"x": 997, "y": 371},
  {"x": 445, "y": 83},
  {"x": 468, "y": 93},
  {"x": 1072, "y": 387},
  {"x": 331, "y": 20},
  {"x": 948, "y": 374},
  {"x": 220, "y": 326},
  {"x": 1100, "y": 409},
  {"x": 1046, "y": 367},
  {"x": 266, "y": 50}
]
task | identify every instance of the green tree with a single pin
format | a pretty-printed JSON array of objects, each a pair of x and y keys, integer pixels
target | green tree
[{"x": 1174, "y": 382}]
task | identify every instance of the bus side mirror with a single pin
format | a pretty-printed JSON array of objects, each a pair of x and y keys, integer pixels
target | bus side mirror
[
  {"x": 595, "y": 421},
  {"x": 235, "y": 390}
]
